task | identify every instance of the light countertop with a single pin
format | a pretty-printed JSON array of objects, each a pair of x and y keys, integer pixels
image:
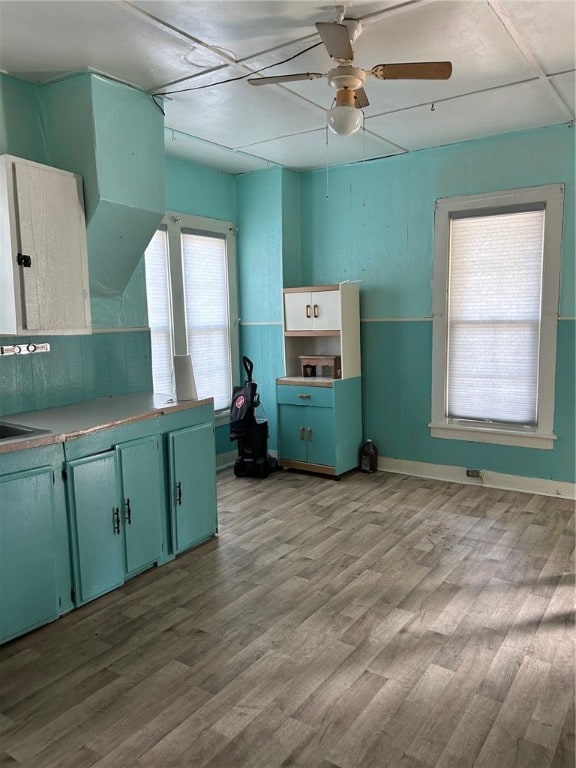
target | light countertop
[{"x": 71, "y": 421}]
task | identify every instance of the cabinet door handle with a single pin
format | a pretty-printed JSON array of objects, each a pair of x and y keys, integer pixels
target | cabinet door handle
[
  {"x": 316, "y": 312},
  {"x": 304, "y": 396},
  {"x": 128, "y": 512},
  {"x": 116, "y": 517},
  {"x": 302, "y": 435},
  {"x": 308, "y": 311},
  {"x": 179, "y": 494},
  {"x": 309, "y": 433}
]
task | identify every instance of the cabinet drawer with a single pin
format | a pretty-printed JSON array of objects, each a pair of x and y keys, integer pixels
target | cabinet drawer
[{"x": 320, "y": 397}]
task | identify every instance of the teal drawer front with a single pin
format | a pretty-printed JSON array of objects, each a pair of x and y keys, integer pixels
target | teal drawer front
[{"x": 319, "y": 397}]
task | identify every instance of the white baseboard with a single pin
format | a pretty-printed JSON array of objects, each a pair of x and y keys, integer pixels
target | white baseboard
[{"x": 487, "y": 478}]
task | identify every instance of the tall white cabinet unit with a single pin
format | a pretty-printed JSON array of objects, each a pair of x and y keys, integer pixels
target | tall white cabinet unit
[
  {"x": 43, "y": 252},
  {"x": 320, "y": 413}
]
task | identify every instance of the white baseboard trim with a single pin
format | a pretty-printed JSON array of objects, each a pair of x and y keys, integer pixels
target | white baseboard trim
[{"x": 487, "y": 478}]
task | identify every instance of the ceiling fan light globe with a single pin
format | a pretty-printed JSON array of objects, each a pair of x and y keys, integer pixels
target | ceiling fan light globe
[{"x": 344, "y": 120}]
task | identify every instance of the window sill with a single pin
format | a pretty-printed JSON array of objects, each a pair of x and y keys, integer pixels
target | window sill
[{"x": 494, "y": 435}]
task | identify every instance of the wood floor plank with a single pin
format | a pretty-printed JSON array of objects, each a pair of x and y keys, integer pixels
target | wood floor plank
[{"x": 384, "y": 621}]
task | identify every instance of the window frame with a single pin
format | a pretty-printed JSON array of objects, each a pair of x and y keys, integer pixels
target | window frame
[
  {"x": 175, "y": 222},
  {"x": 551, "y": 198}
]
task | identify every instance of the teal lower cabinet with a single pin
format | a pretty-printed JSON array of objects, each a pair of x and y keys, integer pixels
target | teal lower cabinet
[
  {"x": 115, "y": 499},
  {"x": 192, "y": 461},
  {"x": 96, "y": 525},
  {"x": 141, "y": 485},
  {"x": 319, "y": 425},
  {"x": 80, "y": 517},
  {"x": 28, "y": 585}
]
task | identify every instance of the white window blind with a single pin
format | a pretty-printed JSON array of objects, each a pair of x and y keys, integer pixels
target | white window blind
[
  {"x": 205, "y": 275},
  {"x": 159, "y": 312},
  {"x": 494, "y": 310}
]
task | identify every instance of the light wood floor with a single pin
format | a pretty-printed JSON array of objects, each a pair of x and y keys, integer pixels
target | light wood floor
[{"x": 377, "y": 622}]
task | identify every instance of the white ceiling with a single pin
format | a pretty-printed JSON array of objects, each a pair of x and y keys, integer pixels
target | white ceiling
[{"x": 513, "y": 68}]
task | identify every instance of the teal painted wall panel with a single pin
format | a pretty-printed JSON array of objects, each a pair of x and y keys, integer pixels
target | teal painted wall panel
[
  {"x": 222, "y": 439},
  {"x": 377, "y": 222},
  {"x": 260, "y": 245},
  {"x": 22, "y": 130},
  {"x": 396, "y": 392},
  {"x": 113, "y": 135},
  {"x": 122, "y": 234},
  {"x": 291, "y": 230},
  {"x": 565, "y": 403},
  {"x": 263, "y": 344},
  {"x": 130, "y": 126},
  {"x": 76, "y": 369},
  {"x": 199, "y": 191},
  {"x": 358, "y": 231},
  {"x": 70, "y": 130},
  {"x": 125, "y": 310}
]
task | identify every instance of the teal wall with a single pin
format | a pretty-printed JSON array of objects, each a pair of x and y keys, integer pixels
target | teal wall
[
  {"x": 77, "y": 368},
  {"x": 199, "y": 191},
  {"x": 22, "y": 129},
  {"x": 268, "y": 214},
  {"x": 57, "y": 125},
  {"x": 377, "y": 226}
]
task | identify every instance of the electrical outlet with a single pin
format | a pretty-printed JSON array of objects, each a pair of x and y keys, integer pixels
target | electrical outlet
[{"x": 472, "y": 473}]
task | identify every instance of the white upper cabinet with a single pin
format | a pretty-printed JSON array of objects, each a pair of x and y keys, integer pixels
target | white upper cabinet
[
  {"x": 312, "y": 310},
  {"x": 43, "y": 253},
  {"x": 322, "y": 321}
]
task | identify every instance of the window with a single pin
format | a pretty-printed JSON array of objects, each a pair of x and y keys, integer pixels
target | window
[
  {"x": 192, "y": 308},
  {"x": 496, "y": 275}
]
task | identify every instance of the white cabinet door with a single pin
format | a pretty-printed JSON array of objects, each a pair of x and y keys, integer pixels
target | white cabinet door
[
  {"x": 47, "y": 252},
  {"x": 326, "y": 311},
  {"x": 298, "y": 311},
  {"x": 312, "y": 311}
]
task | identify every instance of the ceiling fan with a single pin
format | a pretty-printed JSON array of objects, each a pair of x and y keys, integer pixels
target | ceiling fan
[{"x": 345, "y": 117}]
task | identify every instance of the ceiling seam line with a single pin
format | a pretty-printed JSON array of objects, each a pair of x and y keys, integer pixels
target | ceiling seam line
[{"x": 526, "y": 50}]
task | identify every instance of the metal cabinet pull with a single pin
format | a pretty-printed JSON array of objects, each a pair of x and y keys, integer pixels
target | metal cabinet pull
[
  {"x": 302, "y": 435},
  {"x": 316, "y": 312},
  {"x": 128, "y": 512},
  {"x": 179, "y": 494},
  {"x": 116, "y": 518},
  {"x": 308, "y": 312},
  {"x": 303, "y": 396},
  {"x": 309, "y": 433}
]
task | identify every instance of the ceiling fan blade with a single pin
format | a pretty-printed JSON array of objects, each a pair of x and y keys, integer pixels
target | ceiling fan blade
[
  {"x": 422, "y": 70},
  {"x": 336, "y": 38},
  {"x": 285, "y": 78},
  {"x": 361, "y": 98}
]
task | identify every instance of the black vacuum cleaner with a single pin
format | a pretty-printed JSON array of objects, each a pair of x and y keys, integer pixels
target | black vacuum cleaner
[{"x": 251, "y": 433}]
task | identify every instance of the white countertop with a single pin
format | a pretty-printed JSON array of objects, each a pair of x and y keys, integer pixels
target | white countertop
[{"x": 72, "y": 421}]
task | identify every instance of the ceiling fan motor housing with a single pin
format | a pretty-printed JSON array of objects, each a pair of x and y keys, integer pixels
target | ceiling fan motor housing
[{"x": 346, "y": 77}]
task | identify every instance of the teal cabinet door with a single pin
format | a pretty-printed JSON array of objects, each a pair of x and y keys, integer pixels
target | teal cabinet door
[
  {"x": 141, "y": 501},
  {"x": 321, "y": 436},
  {"x": 292, "y": 432},
  {"x": 192, "y": 459},
  {"x": 306, "y": 434},
  {"x": 28, "y": 591},
  {"x": 92, "y": 486}
]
